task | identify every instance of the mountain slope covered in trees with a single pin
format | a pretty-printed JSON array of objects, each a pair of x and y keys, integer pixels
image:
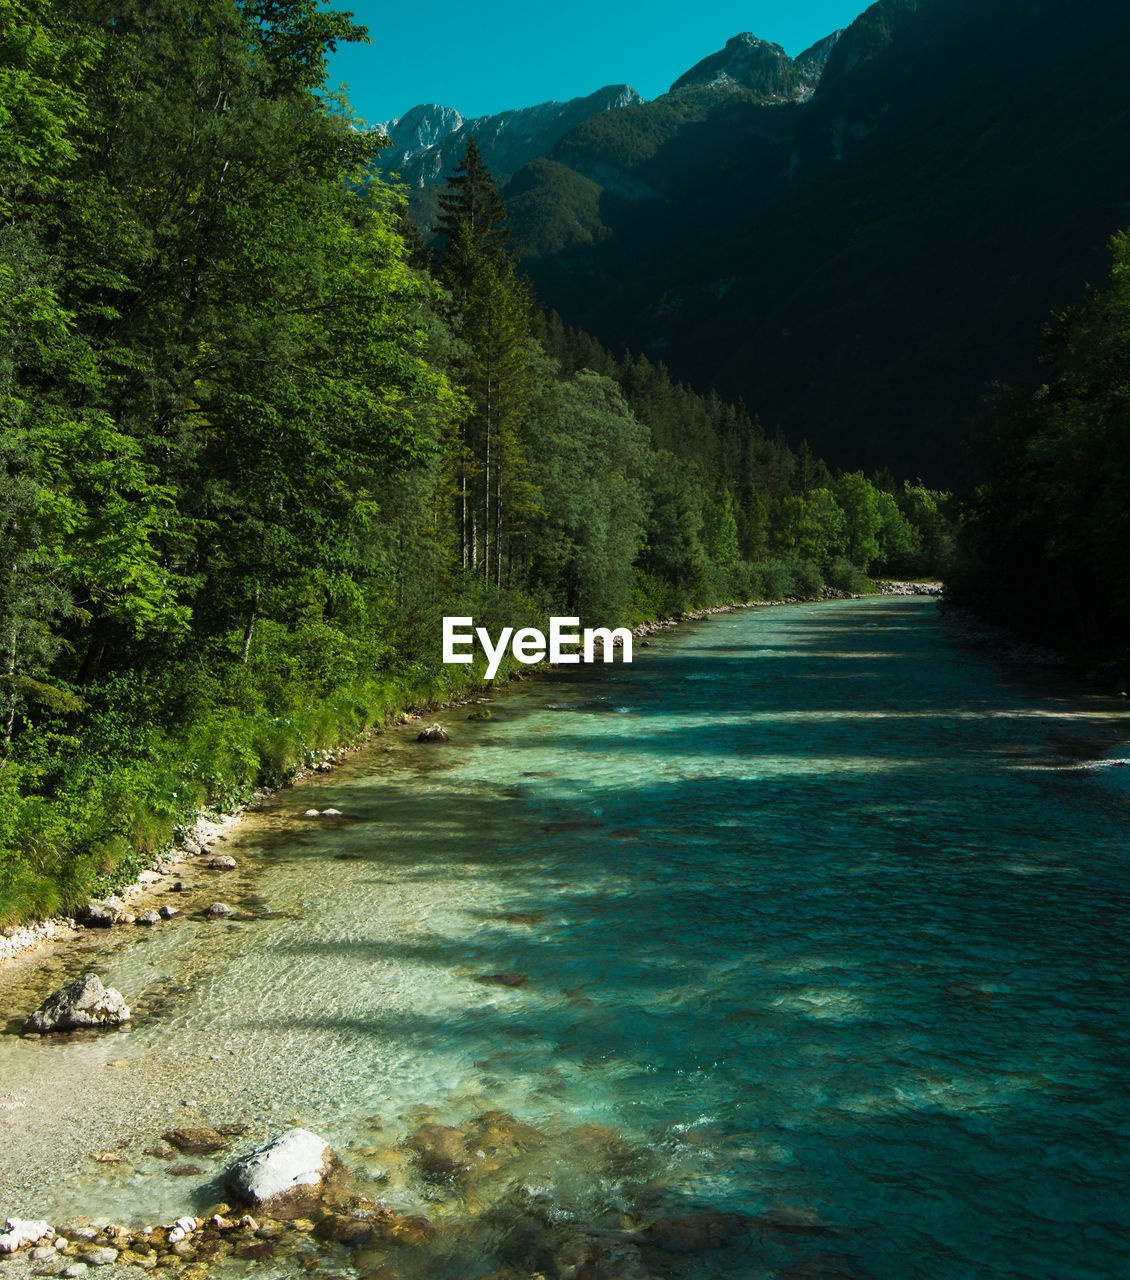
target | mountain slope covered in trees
[{"x": 860, "y": 263}]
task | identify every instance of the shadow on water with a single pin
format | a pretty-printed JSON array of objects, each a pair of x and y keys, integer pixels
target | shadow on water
[{"x": 840, "y": 943}]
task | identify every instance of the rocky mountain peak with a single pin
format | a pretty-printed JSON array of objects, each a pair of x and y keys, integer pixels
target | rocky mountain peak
[
  {"x": 420, "y": 128},
  {"x": 748, "y": 62},
  {"x": 428, "y": 142}
]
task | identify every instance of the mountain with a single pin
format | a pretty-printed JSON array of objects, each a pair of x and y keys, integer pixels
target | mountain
[
  {"x": 428, "y": 142},
  {"x": 856, "y": 241}
]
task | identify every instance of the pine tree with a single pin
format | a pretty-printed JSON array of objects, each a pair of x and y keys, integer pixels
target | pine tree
[{"x": 472, "y": 223}]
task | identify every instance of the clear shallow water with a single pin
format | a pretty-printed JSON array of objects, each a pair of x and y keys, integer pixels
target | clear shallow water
[{"x": 811, "y": 910}]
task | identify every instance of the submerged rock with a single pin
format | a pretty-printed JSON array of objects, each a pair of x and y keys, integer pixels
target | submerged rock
[
  {"x": 441, "y": 1151},
  {"x": 698, "y": 1232},
  {"x": 199, "y": 1141},
  {"x": 503, "y": 979},
  {"x": 786, "y": 1218},
  {"x": 85, "y": 1002},
  {"x": 482, "y": 714},
  {"x": 285, "y": 1174}
]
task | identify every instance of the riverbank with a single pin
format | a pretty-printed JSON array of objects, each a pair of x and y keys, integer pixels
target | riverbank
[{"x": 204, "y": 827}]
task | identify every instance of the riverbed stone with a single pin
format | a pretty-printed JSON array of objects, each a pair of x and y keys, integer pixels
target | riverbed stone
[
  {"x": 74, "y": 1270},
  {"x": 200, "y": 1141},
  {"x": 222, "y": 862},
  {"x": 441, "y": 1151},
  {"x": 341, "y": 1228},
  {"x": 218, "y": 909},
  {"x": 286, "y": 1174},
  {"x": 168, "y": 912},
  {"x": 432, "y": 733},
  {"x": 787, "y": 1218},
  {"x": 698, "y": 1232},
  {"x": 100, "y": 914},
  {"x": 83, "y": 1002},
  {"x": 251, "y": 1249},
  {"x": 100, "y": 1256},
  {"x": 148, "y": 918}
]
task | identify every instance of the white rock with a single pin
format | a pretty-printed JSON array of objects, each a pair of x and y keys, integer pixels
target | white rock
[
  {"x": 20, "y": 1233},
  {"x": 288, "y": 1167},
  {"x": 331, "y": 813},
  {"x": 313, "y": 813}
]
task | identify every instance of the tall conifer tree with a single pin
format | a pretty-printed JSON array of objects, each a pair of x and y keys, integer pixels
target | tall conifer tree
[{"x": 494, "y": 321}]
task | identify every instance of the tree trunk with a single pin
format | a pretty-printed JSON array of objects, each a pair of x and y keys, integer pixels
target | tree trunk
[
  {"x": 249, "y": 630},
  {"x": 10, "y": 709}
]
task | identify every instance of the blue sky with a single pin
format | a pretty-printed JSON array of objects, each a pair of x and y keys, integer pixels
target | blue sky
[{"x": 481, "y": 58}]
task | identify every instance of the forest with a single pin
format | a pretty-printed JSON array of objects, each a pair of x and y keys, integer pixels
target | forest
[{"x": 258, "y": 439}]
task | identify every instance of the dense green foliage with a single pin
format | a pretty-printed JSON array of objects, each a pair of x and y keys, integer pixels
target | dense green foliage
[
  {"x": 1046, "y": 542},
  {"x": 252, "y": 449}
]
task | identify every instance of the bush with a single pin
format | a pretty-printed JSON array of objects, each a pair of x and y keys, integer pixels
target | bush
[{"x": 845, "y": 576}]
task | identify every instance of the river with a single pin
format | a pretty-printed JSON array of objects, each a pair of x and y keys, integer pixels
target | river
[{"x": 813, "y": 912}]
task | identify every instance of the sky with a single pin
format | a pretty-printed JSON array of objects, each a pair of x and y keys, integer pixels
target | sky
[{"x": 485, "y": 57}]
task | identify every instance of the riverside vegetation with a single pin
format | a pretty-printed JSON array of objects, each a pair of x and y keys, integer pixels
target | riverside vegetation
[{"x": 257, "y": 442}]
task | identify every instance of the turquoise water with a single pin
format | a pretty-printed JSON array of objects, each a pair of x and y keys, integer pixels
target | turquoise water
[{"x": 813, "y": 907}]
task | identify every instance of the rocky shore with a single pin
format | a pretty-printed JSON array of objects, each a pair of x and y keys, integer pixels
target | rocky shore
[{"x": 293, "y": 1206}]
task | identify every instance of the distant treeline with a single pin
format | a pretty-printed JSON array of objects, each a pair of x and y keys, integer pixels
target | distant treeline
[{"x": 255, "y": 445}]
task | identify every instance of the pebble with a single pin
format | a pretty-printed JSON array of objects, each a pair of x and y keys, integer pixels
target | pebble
[
  {"x": 75, "y": 1270},
  {"x": 225, "y": 862},
  {"x": 219, "y": 909}
]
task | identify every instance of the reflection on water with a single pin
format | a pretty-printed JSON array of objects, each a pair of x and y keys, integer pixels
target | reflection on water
[{"x": 807, "y": 912}]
